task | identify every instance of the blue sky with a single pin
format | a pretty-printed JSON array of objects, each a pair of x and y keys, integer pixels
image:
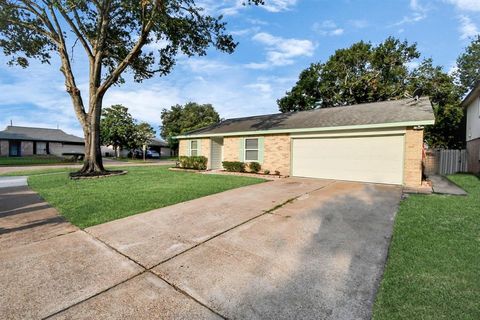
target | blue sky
[{"x": 277, "y": 41}]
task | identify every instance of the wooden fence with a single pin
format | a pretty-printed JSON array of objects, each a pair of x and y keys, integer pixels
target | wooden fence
[{"x": 442, "y": 161}]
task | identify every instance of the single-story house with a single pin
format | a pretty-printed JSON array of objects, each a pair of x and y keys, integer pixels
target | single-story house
[
  {"x": 471, "y": 103},
  {"x": 378, "y": 142},
  {"x": 18, "y": 141},
  {"x": 158, "y": 145}
]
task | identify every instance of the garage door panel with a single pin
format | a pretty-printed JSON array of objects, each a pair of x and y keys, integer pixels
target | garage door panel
[{"x": 371, "y": 159}]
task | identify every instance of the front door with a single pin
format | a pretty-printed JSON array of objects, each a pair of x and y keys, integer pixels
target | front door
[
  {"x": 14, "y": 149},
  {"x": 216, "y": 156}
]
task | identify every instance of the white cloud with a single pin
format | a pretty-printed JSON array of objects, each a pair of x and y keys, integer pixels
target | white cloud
[
  {"x": 358, "y": 24},
  {"x": 233, "y": 7},
  {"x": 466, "y": 5},
  {"x": 327, "y": 28},
  {"x": 281, "y": 51},
  {"x": 467, "y": 28},
  {"x": 419, "y": 13},
  {"x": 203, "y": 65}
]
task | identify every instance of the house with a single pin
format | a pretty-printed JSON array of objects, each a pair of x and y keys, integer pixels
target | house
[
  {"x": 378, "y": 142},
  {"x": 155, "y": 144},
  {"x": 471, "y": 103},
  {"x": 18, "y": 141}
]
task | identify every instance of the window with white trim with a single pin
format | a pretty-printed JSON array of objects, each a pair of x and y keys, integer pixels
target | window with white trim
[
  {"x": 194, "y": 148},
  {"x": 251, "y": 149}
]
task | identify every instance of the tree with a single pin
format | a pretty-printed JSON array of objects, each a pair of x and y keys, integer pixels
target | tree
[
  {"x": 116, "y": 127},
  {"x": 358, "y": 74},
  {"x": 180, "y": 119},
  {"x": 449, "y": 128},
  {"x": 468, "y": 64},
  {"x": 364, "y": 73},
  {"x": 143, "y": 133},
  {"x": 113, "y": 35}
]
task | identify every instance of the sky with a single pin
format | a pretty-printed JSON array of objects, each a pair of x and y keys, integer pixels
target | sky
[{"x": 276, "y": 42}]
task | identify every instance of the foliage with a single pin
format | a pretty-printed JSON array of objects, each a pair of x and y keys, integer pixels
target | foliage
[
  {"x": 116, "y": 127},
  {"x": 142, "y": 134},
  {"x": 193, "y": 162},
  {"x": 144, "y": 37},
  {"x": 254, "y": 167},
  {"x": 365, "y": 73},
  {"x": 234, "y": 166},
  {"x": 432, "y": 270},
  {"x": 144, "y": 188},
  {"x": 33, "y": 160},
  {"x": 358, "y": 74},
  {"x": 468, "y": 64},
  {"x": 180, "y": 119},
  {"x": 266, "y": 171}
]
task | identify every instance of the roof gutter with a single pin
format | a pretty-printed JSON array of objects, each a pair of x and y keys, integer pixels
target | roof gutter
[{"x": 337, "y": 128}]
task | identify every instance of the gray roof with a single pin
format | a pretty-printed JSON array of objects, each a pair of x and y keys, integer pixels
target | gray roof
[
  {"x": 472, "y": 95},
  {"x": 158, "y": 143},
  {"x": 405, "y": 112},
  {"x": 38, "y": 134}
]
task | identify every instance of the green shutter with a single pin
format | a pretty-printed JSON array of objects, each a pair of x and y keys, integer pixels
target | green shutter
[
  {"x": 241, "y": 149},
  {"x": 199, "y": 147},
  {"x": 260, "y": 150},
  {"x": 189, "y": 148}
]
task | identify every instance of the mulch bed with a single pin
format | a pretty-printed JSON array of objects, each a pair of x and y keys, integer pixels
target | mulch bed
[{"x": 96, "y": 175}]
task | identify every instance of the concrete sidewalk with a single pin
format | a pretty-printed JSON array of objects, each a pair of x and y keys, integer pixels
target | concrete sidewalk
[
  {"x": 8, "y": 182},
  {"x": 444, "y": 186}
]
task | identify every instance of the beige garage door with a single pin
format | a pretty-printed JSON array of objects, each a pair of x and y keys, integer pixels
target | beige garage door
[{"x": 369, "y": 159}]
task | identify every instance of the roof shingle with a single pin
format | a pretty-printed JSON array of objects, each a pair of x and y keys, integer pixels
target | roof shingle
[{"x": 38, "y": 134}]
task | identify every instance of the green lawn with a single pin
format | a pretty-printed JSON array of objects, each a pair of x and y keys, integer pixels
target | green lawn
[
  {"x": 433, "y": 268},
  {"x": 38, "y": 171},
  {"x": 33, "y": 160},
  {"x": 89, "y": 202}
]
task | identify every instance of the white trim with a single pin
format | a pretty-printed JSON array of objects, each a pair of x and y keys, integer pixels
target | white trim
[
  {"x": 338, "y": 128},
  {"x": 191, "y": 149}
]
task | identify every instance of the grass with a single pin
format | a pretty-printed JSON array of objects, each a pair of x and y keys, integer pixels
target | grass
[
  {"x": 89, "y": 202},
  {"x": 433, "y": 268},
  {"x": 33, "y": 160},
  {"x": 38, "y": 172}
]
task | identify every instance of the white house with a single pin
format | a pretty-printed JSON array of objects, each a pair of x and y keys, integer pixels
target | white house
[{"x": 472, "y": 106}]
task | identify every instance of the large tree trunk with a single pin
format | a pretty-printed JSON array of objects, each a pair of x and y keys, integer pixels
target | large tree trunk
[{"x": 93, "y": 163}]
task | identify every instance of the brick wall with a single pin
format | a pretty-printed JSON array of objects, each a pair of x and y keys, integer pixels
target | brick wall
[
  {"x": 473, "y": 155},
  {"x": 231, "y": 148},
  {"x": 27, "y": 148},
  {"x": 4, "y": 151},
  {"x": 412, "y": 174},
  {"x": 277, "y": 153}
]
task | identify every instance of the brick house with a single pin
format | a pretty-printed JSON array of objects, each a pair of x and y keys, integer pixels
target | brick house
[
  {"x": 378, "y": 142},
  {"x": 471, "y": 103},
  {"x": 18, "y": 141}
]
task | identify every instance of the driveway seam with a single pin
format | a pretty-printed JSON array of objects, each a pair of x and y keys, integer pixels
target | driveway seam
[{"x": 176, "y": 288}]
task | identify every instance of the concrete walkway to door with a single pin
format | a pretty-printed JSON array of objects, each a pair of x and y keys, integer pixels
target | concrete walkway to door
[{"x": 301, "y": 248}]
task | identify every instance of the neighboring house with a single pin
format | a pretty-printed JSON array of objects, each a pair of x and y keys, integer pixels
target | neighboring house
[
  {"x": 472, "y": 106},
  {"x": 375, "y": 142},
  {"x": 27, "y": 141},
  {"x": 155, "y": 144}
]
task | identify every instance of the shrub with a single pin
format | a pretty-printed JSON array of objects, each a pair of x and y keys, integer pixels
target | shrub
[
  {"x": 234, "y": 166},
  {"x": 277, "y": 172},
  {"x": 255, "y": 167},
  {"x": 193, "y": 162},
  {"x": 266, "y": 171}
]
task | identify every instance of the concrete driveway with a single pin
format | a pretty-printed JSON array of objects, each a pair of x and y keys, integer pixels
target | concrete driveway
[{"x": 291, "y": 248}]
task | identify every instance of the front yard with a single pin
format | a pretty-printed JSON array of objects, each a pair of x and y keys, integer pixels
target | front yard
[
  {"x": 89, "y": 202},
  {"x": 433, "y": 269}
]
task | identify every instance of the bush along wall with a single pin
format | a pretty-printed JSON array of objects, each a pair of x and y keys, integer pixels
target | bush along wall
[
  {"x": 193, "y": 162},
  {"x": 234, "y": 166},
  {"x": 254, "y": 167}
]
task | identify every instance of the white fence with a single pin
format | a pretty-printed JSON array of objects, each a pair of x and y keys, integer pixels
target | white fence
[{"x": 452, "y": 161}]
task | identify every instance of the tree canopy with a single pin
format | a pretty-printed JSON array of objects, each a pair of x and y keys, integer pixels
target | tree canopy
[
  {"x": 468, "y": 64},
  {"x": 365, "y": 73},
  {"x": 144, "y": 37},
  {"x": 116, "y": 127},
  {"x": 180, "y": 119}
]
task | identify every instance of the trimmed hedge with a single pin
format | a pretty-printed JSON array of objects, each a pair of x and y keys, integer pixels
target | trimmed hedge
[
  {"x": 234, "y": 166},
  {"x": 193, "y": 162},
  {"x": 255, "y": 167}
]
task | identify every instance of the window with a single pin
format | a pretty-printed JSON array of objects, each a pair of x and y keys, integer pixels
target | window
[
  {"x": 194, "y": 148},
  {"x": 251, "y": 149}
]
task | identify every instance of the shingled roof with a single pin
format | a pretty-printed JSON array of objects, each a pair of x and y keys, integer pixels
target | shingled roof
[
  {"x": 38, "y": 134},
  {"x": 405, "y": 112}
]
